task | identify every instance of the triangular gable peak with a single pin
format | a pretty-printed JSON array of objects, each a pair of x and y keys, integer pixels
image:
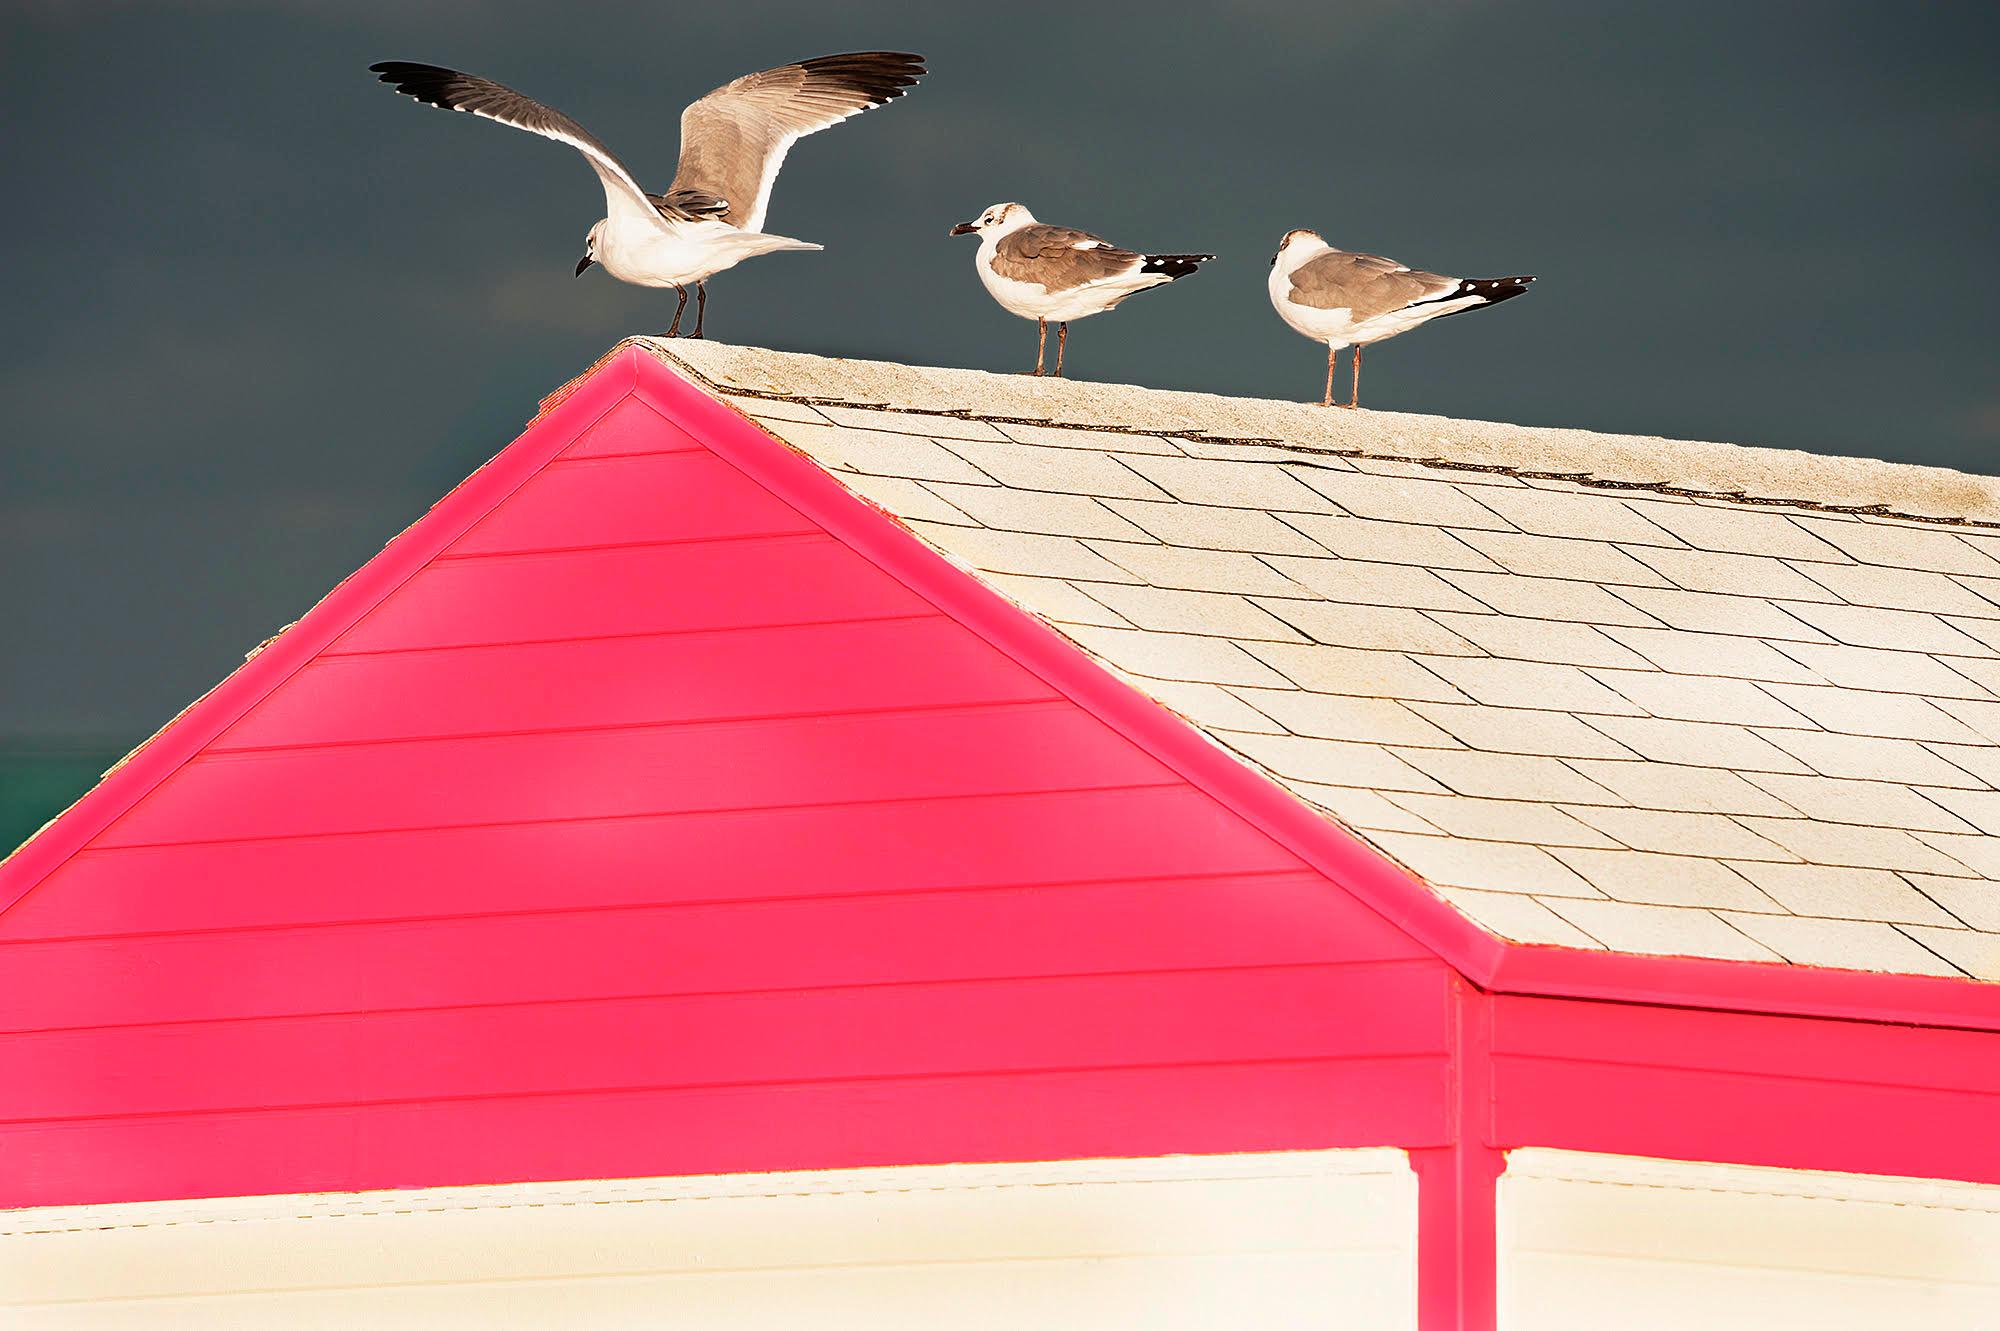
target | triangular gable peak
[{"x": 651, "y": 787}]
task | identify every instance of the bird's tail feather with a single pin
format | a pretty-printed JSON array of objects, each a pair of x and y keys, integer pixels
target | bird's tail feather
[
  {"x": 763, "y": 242},
  {"x": 1174, "y": 266}
]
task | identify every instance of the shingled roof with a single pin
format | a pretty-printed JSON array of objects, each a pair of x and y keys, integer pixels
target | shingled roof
[{"x": 1601, "y": 691}]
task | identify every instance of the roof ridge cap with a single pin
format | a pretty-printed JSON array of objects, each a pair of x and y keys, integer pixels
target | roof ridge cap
[{"x": 1734, "y": 473}]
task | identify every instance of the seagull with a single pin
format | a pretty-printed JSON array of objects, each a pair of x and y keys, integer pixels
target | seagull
[
  {"x": 1043, "y": 272},
  {"x": 732, "y": 143},
  {"x": 1345, "y": 299}
]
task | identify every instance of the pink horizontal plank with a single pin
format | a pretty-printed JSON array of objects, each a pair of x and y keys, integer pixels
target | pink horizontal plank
[
  {"x": 1747, "y": 1042},
  {"x": 815, "y": 1035},
  {"x": 625, "y": 681},
  {"x": 1790, "y": 1092},
  {"x": 1211, "y": 1109},
  {"x": 628, "y": 500},
  {"x": 631, "y": 427},
  {"x": 643, "y": 589},
  {"x": 1741, "y": 1118},
  {"x": 1288, "y": 919},
  {"x": 615, "y": 773},
  {"x": 997, "y": 841}
]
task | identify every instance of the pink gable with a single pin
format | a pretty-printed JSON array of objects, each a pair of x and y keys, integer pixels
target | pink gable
[{"x": 621, "y": 820}]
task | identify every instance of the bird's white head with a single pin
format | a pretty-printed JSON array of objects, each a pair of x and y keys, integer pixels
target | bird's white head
[
  {"x": 1299, "y": 244},
  {"x": 998, "y": 220},
  {"x": 590, "y": 247}
]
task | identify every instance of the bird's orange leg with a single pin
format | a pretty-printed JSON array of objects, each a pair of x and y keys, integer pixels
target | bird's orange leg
[
  {"x": 1062, "y": 336},
  {"x": 1041, "y": 345},
  {"x": 1326, "y": 398},
  {"x": 1354, "y": 398}
]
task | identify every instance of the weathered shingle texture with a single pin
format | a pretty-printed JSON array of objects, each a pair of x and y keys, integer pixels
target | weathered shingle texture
[{"x": 1644, "y": 716}]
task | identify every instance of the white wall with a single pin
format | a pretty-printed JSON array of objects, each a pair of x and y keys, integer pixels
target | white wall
[
  {"x": 1321, "y": 1239},
  {"x": 1596, "y": 1241}
]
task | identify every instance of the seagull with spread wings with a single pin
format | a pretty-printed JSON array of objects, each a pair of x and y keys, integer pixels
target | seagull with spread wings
[
  {"x": 1346, "y": 299},
  {"x": 732, "y": 143}
]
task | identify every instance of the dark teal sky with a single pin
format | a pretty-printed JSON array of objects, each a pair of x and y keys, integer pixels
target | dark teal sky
[{"x": 260, "y": 312}]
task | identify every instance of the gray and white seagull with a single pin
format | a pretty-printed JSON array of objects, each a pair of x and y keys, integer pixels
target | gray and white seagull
[
  {"x": 732, "y": 143},
  {"x": 1044, "y": 272},
  {"x": 1347, "y": 299}
]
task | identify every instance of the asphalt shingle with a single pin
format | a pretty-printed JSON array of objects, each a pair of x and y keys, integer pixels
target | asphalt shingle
[
  {"x": 1389, "y": 542},
  {"x": 1231, "y": 484},
  {"x": 1548, "y": 599},
  {"x": 1431, "y": 500},
  {"x": 1847, "y": 943},
  {"x": 1663, "y": 930},
  {"x": 1453, "y": 862},
  {"x": 1206, "y": 614},
  {"x": 1331, "y": 716},
  {"x": 1520, "y": 730},
  {"x": 1063, "y": 470},
  {"x": 1735, "y": 575},
  {"x": 1846, "y": 894},
  {"x": 1176, "y": 656},
  {"x": 1198, "y": 570},
  {"x": 1208, "y": 527},
  {"x": 1576, "y": 513},
  {"x": 1900, "y": 546},
  {"x": 1387, "y": 628},
  {"x": 1665, "y": 880},
  {"x": 1563, "y": 557},
  {"x": 1359, "y": 582},
  {"x": 1742, "y": 531},
  {"x": 1036, "y": 511},
  {"x": 1533, "y": 684},
  {"x": 1701, "y": 743}
]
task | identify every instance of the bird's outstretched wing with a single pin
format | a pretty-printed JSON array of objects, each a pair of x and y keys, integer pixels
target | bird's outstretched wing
[
  {"x": 734, "y": 140},
  {"x": 454, "y": 91}
]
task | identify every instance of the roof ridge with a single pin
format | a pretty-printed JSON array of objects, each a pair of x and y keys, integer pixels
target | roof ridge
[{"x": 1865, "y": 487}]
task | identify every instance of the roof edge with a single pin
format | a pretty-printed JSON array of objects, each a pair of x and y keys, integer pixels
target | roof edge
[
  {"x": 1734, "y": 472},
  {"x": 667, "y": 383},
  {"x": 1762, "y": 987}
]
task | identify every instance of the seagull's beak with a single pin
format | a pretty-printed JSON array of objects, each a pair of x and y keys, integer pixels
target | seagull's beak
[
  {"x": 965, "y": 228},
  {"x": 583, "y": 263}
]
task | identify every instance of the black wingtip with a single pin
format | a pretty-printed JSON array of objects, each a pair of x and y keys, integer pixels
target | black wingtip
[
  {"x": 392, "y": 71},
  {"x": 1174, "y": 266},
  {"x": 1490, "y": 290},
  {"x": 434, "y": 85},
  {"x": 407, "y": 76},
  {"x": 1497, "y": 289},
  {"x": 880, "y": 76}
]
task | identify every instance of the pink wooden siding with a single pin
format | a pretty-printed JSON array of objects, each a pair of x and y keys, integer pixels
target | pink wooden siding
[{"x": 644, "y": 827}]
